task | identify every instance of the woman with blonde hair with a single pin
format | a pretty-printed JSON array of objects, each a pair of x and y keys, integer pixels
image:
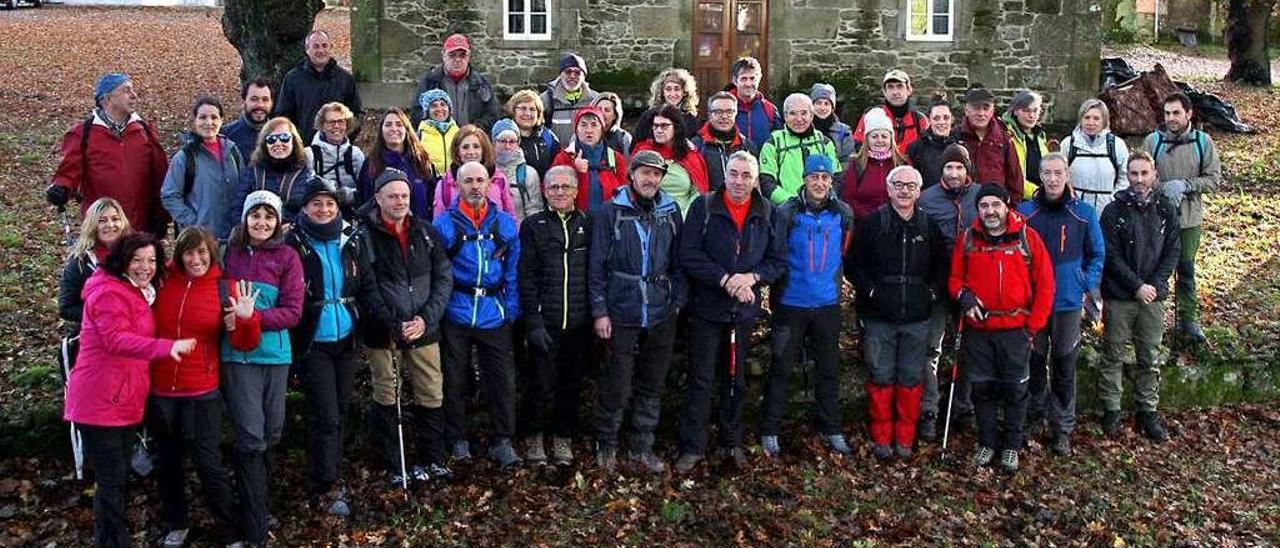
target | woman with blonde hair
[
  {"x": 539, "y": 143},
  {"x": 678, "y": 88},
  {"x": 1096, "y": 156},
  {"x": 334, "y": 157},
  {"x": 865, "y": 188},
  {"x": 104, "y": 224},
  {"x": 279, "y": 163}
]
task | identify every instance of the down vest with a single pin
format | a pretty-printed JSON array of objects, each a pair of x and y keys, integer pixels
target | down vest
[
  {"x": 555, "y": 250},
  {"x": 395, "y": 286}
]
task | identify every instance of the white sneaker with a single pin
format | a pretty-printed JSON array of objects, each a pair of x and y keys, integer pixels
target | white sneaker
[{"x": 175, "y": 538}]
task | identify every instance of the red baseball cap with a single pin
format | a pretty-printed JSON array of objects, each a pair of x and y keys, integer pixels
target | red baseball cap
[{"x": 457, "y": 42}]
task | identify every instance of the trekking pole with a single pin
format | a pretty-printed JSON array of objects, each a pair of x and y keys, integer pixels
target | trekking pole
[
  {"x": 733, "y": 354},
  {"x": 395, "y": 369},
  {"x": 77, "y": 441},
  {"x": 955, "y": 374},
  {"x": 68, "y": 238}
]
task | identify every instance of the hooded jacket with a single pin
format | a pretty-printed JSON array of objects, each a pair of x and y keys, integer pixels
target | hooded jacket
[
  {"x": 715, "y": 153},
  {"x": 817, "y": 236},
  {"x": 524, "y": 185},
  {"x": 712, "y": 247},
  {"x": 1010, "y": 275},
  {"x": 276, "y": 273},
  {"x": 897, "y": 266},
  {"x": 485, "y": 262},
  {"x": 994, "y": 158},
  {"x": 213, "y": 187},
  {"x": 1142, "y": 245},
  {"x": 112, "y": 376},
  {"x": 1074, "y": 240},
  {"x": 554, "y": 252},
  {"x": 1093, "y": 175},
  {"x": 331, "y": 270},
  {"x": 560, "y": 112},
  {"x": 953, "y": 210},
  {"x": 1192, "y": 157},
  {"x": 304, "y": 90},
  {"x": 339, "y": 164},
  {"x": 130, "y": 168},
  {"x": 438, "y": 144},
  {"x": 395, "y": 286},
  {"x": 782, "y": 161},
  {"x": 635, "y": 277},
  {"x": 189, "y": 307}
]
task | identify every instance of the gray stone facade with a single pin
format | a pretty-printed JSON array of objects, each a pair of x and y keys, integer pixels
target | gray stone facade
[{"x": 1049, "y": 45}]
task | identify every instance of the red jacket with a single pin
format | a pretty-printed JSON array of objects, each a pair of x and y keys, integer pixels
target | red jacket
[
  {"x": 906, "y": 129},
  {"x": 867, "y": 191},
  {"x": 995, "y": 160},
  {"x": 188, "y": 307},
  {"x": 995, "y": 271},
  {"x": 692, "y": 162},
  {"x": 109, "y": 384},
  {"x": 130, "y": 168},
  {"x": 611, "y": 176}
]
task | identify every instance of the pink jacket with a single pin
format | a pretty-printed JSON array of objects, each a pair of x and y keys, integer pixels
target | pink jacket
[
  {"x": 112, "y": 376},
  {"x": 447, "y": 191}
]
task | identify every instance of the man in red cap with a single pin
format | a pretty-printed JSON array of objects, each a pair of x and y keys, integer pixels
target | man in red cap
[{"x": 474, "y": 101}]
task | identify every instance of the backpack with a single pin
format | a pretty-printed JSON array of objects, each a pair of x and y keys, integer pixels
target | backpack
[
  {"x": 84, "y": 142},
  {"x": 1072, "y": 153},
  {"x": 189, "y": 165},
  {"x": 1024, "y": 247},
  {"x": 346, "y": 161},
  {"x": 1196, "y": 135},
  {"x": 500, "y": 244}
]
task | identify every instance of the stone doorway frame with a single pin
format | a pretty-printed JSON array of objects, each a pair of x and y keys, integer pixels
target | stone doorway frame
[{"x": 717, "y": 41}]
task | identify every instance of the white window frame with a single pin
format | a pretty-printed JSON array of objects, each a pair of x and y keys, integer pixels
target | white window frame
[
  {"x": 527, "y": 14},
  {"x": 928, "y": 36}
]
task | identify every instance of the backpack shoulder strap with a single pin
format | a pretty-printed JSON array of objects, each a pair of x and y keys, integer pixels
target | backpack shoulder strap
[
  {"x": 1200, "y": 138},
  {"x": 85, "y": 128},
  {"x": 189, "y": 167},
  {"x": 1111, "y": 150},
  {"x": 224, "y": 292}
]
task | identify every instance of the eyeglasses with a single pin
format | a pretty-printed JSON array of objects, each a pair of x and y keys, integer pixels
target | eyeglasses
[
  {"x": 527, "y": 109},
  {"x": 905, "y": 185},
  {"x": 663, "y": 125},
  {"x": 725, "y": 113},
  {"x": 277, "y": 138},
  {"x": 560, "y": 188},
  {"x": 508, "y": 141},
  {"x": 335, "y": 122}
]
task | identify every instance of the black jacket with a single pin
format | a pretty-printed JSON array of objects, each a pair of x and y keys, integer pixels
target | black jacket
[
  {"x": 74, "y": 274},
  {"x": 395, "y": 288},
  {"x": 540, "y": 150},
  {"x": 481, "y": 102},
  {"x": 925, "y": 154},
  {"x": 304, "y": 91},
  {"x": 554, "y": 252},
  {"x": 716, "y": 153},
  {"x": 712, "y": 247},
  {"x": 898, "y": 267},
  {"x": 313, "y": 299},
  {"x": 1141, "y": 243}
]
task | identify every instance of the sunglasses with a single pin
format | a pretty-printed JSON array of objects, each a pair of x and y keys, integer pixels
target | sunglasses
[{"x": 277, "y": 138}]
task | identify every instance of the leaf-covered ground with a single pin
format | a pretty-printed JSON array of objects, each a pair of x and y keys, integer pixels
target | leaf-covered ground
[{"x": 1216, "y": 483}]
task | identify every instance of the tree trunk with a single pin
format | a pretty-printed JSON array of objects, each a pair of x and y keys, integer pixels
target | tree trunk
[
  {"x": 1246, "y": 36},
  {"x": 269, "y": 34}
]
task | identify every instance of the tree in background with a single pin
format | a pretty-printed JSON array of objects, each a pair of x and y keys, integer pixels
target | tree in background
[
  {"x": 1248, "y": 22},
  {"x": 269, "y": 34}
]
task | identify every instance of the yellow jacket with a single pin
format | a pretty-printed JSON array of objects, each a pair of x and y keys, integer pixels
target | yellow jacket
[
  {"x": 438, "y": 146},
  {"x": 1019, "y": 139}
]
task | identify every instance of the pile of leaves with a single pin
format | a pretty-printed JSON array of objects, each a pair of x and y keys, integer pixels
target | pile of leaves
[{"x": 1215, "y": 483}]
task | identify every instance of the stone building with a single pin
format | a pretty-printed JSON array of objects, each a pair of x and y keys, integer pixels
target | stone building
[{"x": 1048, "y": 45}]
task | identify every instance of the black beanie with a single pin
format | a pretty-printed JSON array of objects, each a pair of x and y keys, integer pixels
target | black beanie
[{"x": 991, "y": 189}]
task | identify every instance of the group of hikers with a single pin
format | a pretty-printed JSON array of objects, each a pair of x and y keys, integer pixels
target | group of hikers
[{"x": 466, "y": 250}]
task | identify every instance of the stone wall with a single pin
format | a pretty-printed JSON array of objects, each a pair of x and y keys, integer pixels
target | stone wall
[{"x": 1049, "y": 45}]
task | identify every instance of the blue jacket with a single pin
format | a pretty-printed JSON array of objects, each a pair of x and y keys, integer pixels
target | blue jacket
[
  {"x": 634, "y": 276},
  {"x": 485, "y": 260},
  {"x": 1073, "y": 236},
  {"x": 712, "y": 247},
  {"x": 757, "y": 119},
  {"x": 244, "y": 134},
  {"x": 816, "y": 240}
]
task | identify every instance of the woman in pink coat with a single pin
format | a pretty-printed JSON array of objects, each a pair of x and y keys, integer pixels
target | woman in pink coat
[
  {"x": 108, "y": 388},
  {"x": 472, "y": 144}
]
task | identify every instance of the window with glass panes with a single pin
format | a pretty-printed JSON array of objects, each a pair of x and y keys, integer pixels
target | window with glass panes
[
  {"x": 527, "y": 20},
  {"x": 930, "y": 19}
]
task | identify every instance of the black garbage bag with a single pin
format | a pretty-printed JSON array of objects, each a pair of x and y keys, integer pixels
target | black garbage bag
[
  {"x": 1214, "y": 111},
  {"x": 1115, "y": 72}
]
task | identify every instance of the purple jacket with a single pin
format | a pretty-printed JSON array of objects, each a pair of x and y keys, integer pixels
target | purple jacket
[
  {"x": 276, "y": 272},
  {"x": 112, "y": 376}
]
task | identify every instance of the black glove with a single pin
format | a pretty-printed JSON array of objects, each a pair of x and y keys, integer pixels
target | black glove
[
  {"x": 57, "y": 195},
  {"x": 540, "y": 339},
  {"x": 967, "y": 301}
]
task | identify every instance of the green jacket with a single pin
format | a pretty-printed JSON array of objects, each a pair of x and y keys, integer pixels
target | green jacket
[
  {"x": 1190, "y": 157},
  {"x": 782, "y": 162}
]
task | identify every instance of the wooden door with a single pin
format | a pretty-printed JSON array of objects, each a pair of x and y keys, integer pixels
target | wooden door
[{"x": 723, "y": 32}]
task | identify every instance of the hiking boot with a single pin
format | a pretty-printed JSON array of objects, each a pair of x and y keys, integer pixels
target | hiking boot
[
  {"x": 534, "y": 451},
  {"x": 927, "y": 429},
  {"x": 1009, "y": 460},
  {"x": 649, "y": 461},
  {"x": 881, "y": 452},
  {"x": 734, "y": 457},
  {"x": 1192, "y": 332},
  {"x": 1110, "y": 422},
  {"x": 837, "y": 444},
  {"x": 504, "y": 454},
  {"x": 175, "y": 538},
  {"x": 1149, "y": 425},
  {"x": 419, "y": 474},
  {"x": 439, "y": 472},
  {"x": 337, "y": 503},
  {"x": 562, "y": 451},
  {"x": 983, "y": 456},
  {"x": 1061, "y": 444},
  {"x": 769, "y": 444},
  {"x": 902, "y": 451},
  {"x": 461, "y": 451},
  {"x": 607, "y": 457},
  {"x": 686, "y": 462}
]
